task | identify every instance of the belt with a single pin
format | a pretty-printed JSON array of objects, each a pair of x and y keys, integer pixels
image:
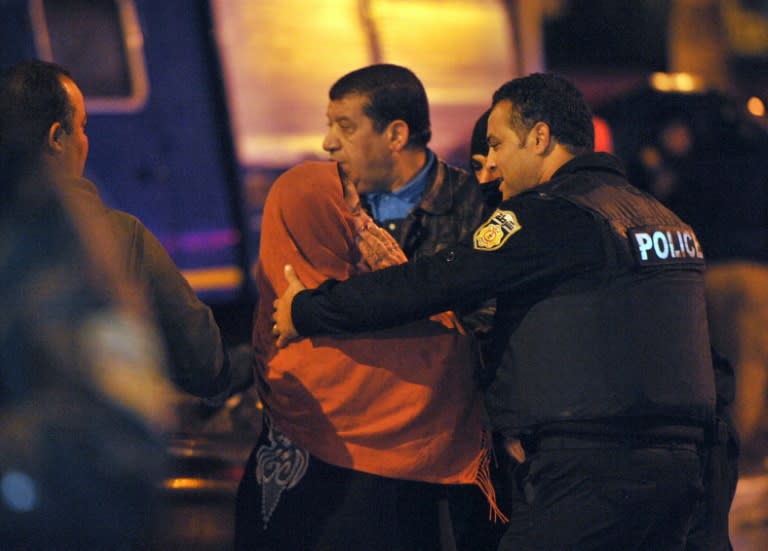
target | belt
[{"x": 590, "y": 442}]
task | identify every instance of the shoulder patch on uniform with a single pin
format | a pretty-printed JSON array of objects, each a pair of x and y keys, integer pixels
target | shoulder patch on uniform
[{"x": 495, "y": 231}]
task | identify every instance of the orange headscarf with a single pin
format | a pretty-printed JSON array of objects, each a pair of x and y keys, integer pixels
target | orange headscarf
[{"x": 399, "y": 403}]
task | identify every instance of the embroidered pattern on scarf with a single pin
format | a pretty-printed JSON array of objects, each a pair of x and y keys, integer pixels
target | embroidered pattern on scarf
[{"x": 280, "y": 465}]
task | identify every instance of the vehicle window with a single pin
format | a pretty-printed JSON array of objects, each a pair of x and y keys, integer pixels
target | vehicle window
[{"x": 102, "y": 38}]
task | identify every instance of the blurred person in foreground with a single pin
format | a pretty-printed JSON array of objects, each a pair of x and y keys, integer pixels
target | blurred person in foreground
[
  {"x": 600, "y": 336},
  {"x": 84, "y": 398},
  {"x": 45, "y": 111},
  {"x": 361, "y": 433}
]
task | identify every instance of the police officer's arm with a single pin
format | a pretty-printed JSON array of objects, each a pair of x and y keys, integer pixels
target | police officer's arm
[{"x": 545, "y": 241}]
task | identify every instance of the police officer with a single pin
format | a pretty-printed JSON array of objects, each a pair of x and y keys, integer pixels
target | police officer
[{"x": 600, "y": 340}]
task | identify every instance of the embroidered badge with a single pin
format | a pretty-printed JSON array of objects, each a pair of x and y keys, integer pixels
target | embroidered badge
[
  {"x": 280, "y": 466},
  {"x": 496, "y": 230}
]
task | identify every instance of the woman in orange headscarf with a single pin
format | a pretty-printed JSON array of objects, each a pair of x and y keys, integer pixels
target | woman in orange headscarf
[{"x": 361, "y": 433}]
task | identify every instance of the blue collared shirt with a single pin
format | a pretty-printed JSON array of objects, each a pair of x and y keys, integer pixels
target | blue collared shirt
[{"x": 396, "y": 205}]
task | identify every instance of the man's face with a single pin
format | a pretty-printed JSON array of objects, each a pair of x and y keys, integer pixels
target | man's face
[
  {"x": 75, "y": 143},
  {"x": 363, "y": 154},
  {"x": 514, "y": 160}
]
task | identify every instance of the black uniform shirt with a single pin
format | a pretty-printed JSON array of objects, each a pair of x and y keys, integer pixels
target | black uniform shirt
[{"x": 527, "y": 246}]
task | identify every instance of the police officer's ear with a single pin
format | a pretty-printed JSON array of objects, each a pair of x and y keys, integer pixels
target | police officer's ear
[
  {"x": 398, "y": 134},
  {"x": 542, "y": 138}
]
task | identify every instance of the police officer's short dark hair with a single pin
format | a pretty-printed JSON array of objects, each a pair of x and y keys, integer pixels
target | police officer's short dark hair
[
  {"x": 394, "y": 93},
  {"x": 32, "y": 98},
  {"x": 545, "y": 97}
]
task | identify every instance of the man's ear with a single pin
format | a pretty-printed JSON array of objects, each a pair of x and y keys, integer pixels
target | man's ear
[
  {"x": 55, "y": 134},
  {"x": 398, "y": 133}
]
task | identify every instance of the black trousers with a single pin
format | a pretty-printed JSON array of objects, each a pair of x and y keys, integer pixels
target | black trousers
[
  {"x": 709, "y": 531},
  {"x": 610, "y": 497},
  {"x": 336, "y": 509}
]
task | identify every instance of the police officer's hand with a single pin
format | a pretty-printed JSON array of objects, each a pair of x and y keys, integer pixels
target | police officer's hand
[{"x": 283, "y": 328}]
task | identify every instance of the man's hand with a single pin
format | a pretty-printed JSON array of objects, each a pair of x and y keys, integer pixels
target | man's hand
[
  {"x": 515, "y": 448},
  {"x": 378, "y": 248},
  {"x": 351, "y": 197},
  {"x": 283, "y": 328}
]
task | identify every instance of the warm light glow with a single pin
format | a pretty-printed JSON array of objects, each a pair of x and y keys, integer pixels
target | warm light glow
[
  {"x": 443, "y": 41},
  {"x": 208, "y": 279},
  {"x": 280, "y": 59},
  {"x": 746, "y": 29},
  {"x": 756, "y": 106},
  {"x": 676, "y": 82},
  {"x": 197, "y": 484}
]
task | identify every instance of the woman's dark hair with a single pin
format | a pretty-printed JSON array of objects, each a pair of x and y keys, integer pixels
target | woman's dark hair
[{"x": 478, "y": 144}]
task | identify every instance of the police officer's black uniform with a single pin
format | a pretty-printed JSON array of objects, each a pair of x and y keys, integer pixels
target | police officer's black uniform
[{"x": 603, "y": 358}]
